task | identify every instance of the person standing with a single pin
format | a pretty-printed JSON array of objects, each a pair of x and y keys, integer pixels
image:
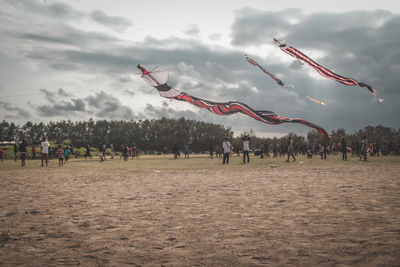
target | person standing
[
  {"x": 112, "y": 151},
  {"x": 15, "y": 152},
  {"x": 344, "y": 149},
  {"x": 67, "y": 151},
  {"x": 186, "y": 151},
  {"x": 101, "y": 151},
  {"x": 211, "y": 152},
  {"x": 44, "y": 150},
  {"x": 60, "y": 156},
  {"x": 227, "y": 147},
  {"x": 22, "y": 152},
  {"x": 33, "y": 150},
  {"x": 125, "y": 152},
  {"x": 246, "y": 148},
  {"x": 290, "y": 149},
  {"x": 364, "y": 148},
  {"x": 175, "y": 150},
  {"x": 322, "y": 151},
  {"x": 266, "y": 150},
  {"x": 87, "y": 154}
]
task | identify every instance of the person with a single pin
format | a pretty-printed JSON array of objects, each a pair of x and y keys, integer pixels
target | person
[
  {"x": 211, "y": 152},
  {"x": 175, "y": 150},
  {"x": 266, "y": 149},
  {"x": 322, "y": 151},
  {"x": 67, "y": 151},
  {"x": 87, "y": 154},
  {"x": 101, "y": 151},
  {"x": 309, "y": 153},
  {"x": 364, "y": 148},
  {"x": 377, "y": 148},
  {"x": 60, "y": 156},
  {"x": 290, "y": 151},
  {"x": 135, "y": 151},
  {"x": 122, "y": 147},
  {"x": 246, "y": 148},
  {"x": 125, "y": 152},
  {"x": 371, "y": 148},
  {"x": 15, "y": 152},
  {"x": 186, "y": 150},
  {"x": 33, "y": 150},
  {"x": 44, "y": 150},
  {"x": 227, "y": 147},
  {"x": 278, "y": 150},
  {"x": 130, "y": 151},
  {"x": 112, "y": 151},
  {"x": 344, "y": 149},
  {"x": 22, "y": 152},
  {"x": 1, "y": 155}
]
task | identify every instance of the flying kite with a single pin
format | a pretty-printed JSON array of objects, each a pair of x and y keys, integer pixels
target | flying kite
[
  {"x": 322, "y": 70},
  {"x": 158, "y": 80},
  {"x": 316, "y": 101},
  {"x": 276, "y": 79}
]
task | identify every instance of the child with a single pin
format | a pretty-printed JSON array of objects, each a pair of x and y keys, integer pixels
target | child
[{"x": 60, "y": 155}]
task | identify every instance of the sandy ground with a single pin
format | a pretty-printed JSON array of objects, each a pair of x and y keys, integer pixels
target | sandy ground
[{"x": 161, "y": 212}]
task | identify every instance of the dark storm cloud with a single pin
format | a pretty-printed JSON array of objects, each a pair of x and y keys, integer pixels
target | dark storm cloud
[
  {"x": 67, "y": 35},
  {"x": 168, "y": 112},
  {"x": 11, "y": 112},
  {"x": 61, "y": 11},
  {"x": 114, "y": 22},
  {"x": 49, "y": 9},
  {"x": 108, "y": 106},
  {"x": 102, "y": 105},
  {"x": 61, "y": 108}
]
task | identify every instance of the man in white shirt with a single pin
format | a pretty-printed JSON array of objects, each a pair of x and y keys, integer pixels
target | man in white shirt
[
  {"x": 246, "y": 149},
  {"x": 44, "y": 148},
  {"x": 227, "y": 150}
]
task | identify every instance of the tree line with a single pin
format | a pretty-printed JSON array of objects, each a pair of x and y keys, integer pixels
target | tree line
[{"x": 152, "y": 136}]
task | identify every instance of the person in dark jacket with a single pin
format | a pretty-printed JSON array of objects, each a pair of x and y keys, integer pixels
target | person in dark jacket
[
  {"x": 344, "y": 149},
  {"x": 22, "y": 152}
]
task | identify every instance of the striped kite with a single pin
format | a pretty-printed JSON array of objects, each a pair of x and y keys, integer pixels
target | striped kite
[
  {"x": 322, "y": 70},
  {"x": 158, "y": 80},
  {"x": 276, "y": 79}
]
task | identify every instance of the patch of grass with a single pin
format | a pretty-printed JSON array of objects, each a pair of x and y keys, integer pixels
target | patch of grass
[{"x": 200, "y": 162}]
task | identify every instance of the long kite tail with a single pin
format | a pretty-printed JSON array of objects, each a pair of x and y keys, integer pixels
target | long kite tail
[
  {"x": 276, "y": 79},
  {"x": 322, "y": 70},
  {"x": 232, "y": 107}
]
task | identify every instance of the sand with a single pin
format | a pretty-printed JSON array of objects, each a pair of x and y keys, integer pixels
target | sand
[{"x": 161, "y": 212}]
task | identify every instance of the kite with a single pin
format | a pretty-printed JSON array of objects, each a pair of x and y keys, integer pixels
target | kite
[
  {"x": 276, "y": 79},
  {"x": 158, "y": 80},
  {"x": 316, "y": 101},
  {"x": 322, "y": 70}
]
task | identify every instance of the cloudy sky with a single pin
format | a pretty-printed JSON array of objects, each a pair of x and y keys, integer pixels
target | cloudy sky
[{"x": 77, "y": 60}]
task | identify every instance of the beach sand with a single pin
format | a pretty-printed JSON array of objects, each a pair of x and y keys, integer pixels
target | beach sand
[{"x": 161, "y": 212}]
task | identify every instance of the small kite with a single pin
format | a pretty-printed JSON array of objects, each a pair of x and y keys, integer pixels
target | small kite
[
  {"x": 316, "y": 101},
  {"x": 276, "y": 79},
  {"x": 322, "y": 70},
  {"x": 158, "y": 80}
]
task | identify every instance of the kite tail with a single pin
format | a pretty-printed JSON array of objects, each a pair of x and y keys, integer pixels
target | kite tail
[
  {"x": 232, "y": 107},
  {"x": 372, "y": 90},
  {"x": 322, "y": 70},
  {"x": 276, "y": 79}
]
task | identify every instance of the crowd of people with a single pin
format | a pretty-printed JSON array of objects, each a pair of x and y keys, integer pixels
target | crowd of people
[{"x": 362, "y": 150}]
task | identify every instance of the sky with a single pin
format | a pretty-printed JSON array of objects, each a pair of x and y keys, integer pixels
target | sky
[{"x": 76, "y": 59}]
